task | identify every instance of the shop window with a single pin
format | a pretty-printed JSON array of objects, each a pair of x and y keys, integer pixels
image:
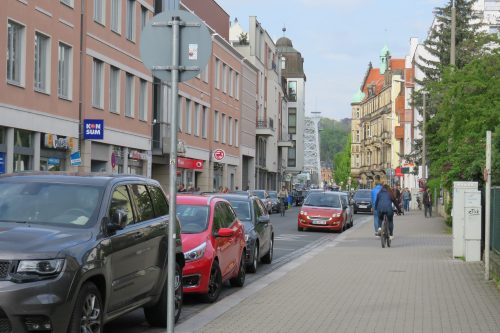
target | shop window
[
  {"x": 22, "y": 138},
  {"x": 2, "y": 135},
  {"x": 22, "y": 162}
]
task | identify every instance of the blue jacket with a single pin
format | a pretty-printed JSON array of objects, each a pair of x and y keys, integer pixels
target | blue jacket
[
  {"x": 384, "y": 201},
  {"x": 375, "y": 191}
]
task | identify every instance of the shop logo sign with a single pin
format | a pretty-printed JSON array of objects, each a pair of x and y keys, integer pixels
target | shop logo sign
[
  {"x": 2, "y": 163},
  {"x": 93, "y": 129}
]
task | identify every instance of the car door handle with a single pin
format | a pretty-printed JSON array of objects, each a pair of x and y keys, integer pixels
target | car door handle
[{"x": 138, "y": 235}]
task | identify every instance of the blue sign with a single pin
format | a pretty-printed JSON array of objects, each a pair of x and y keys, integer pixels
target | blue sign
[
  {"x": 76, "y": 159},
  {"x": 2, "y": 163},
  {"x": 53, "y": 161},
  {"x": 93, "y": 129}
]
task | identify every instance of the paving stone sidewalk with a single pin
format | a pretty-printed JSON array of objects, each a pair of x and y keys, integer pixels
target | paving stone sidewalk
[{"x": 353, "y": 285}]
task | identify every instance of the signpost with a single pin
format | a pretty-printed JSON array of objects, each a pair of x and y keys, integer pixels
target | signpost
[
  {"x": 219, "y": 154},
  {"x": 175, "y": 45}
]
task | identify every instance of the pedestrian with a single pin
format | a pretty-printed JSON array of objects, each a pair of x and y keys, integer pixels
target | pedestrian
[
  {"x": 236, "y": 188},
  {"x": 221, "y": 189},
  {"x": 283, "y": 197},
  {"x": 181, "y": 188},
  {"x": 375, "y": 190},
  {"x": 406, "y": 199},
  {"x": 383, "y": 205},
  {"x": 427, "y": 199}
]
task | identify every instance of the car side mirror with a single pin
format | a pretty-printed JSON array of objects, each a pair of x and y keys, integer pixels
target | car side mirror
[
  {"x": 224, "y": 232},
  {"x": 118, "y": 220},
  {"x": 264, "y": 219}
]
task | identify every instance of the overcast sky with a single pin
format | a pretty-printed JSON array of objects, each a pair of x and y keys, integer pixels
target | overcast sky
[{"x": 338, "y": 38}]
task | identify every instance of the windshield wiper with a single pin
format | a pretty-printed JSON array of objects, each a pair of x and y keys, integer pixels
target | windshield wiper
[{"x": 15, "y": 221}]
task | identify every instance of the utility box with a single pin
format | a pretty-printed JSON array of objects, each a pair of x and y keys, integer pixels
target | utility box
[
  {"x": 472, "y": 214},
  {"x": 458, "y": 214}
]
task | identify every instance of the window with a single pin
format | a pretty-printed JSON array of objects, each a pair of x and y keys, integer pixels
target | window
[
  {"x": 160, "y": 204},
  {"x": 15, "y": 52},
  {"x": 143, "y": 202},
  {"x": 99, "y": 11},
  {"x": 357, "y": 136},
  {"x": 188, "y": 116},
  {"x": 129, "y": 95},
  {"x": 196, "y": 119},
  {"x": 204, "y": 123},
  {"x": 237, "y": 86},
  {"x": 230, "y": 82},
  {"x": 292, "y": 91},
  {"x": 216, "y": 126},
  {"x": 114, "y": 90},
  {"x": 68, "y": 2},
  {"x": 223, "y": 127},
  {"x": 230, "y": 120},
  {"x": 292, "y": 157},
  {"x": 97, "y": 83},
  {"x": 217, "y": 73},
  {"x": 42, "y": 63},
  {"x": 236, "y": 133},
  {"x": 144, "y": 17},
  {"x": 143, "y": 100},
  {"x": 116, "y": 15},
  {"x": 130, "y": 20},
  {"x": 292, "y": 120},
  {"x": 23, "y": 150},
  {"x": 64, "y": 81},
  {"x": 224, "y": 78},
  {"x": 120, "y": 202}
]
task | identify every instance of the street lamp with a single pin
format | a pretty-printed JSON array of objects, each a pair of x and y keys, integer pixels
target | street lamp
[{"x": 424, "y": 147}]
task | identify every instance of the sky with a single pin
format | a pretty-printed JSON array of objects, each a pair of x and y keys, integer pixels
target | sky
[{"x": 338, "y": 38}]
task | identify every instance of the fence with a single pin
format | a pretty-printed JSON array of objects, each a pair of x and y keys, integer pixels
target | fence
[{"x": 495, "y": 219}]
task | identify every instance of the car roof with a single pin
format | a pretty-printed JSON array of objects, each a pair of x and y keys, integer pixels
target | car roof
[
  {"x": 96, "y": 179},
  {"x": 196, "y": 199}
]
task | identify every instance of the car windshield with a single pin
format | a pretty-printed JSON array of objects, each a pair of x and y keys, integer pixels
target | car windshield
[
  {"x": 273, "y": 194},
  {"x": 242, "y": 209},
  {"x": 259, "y": 194},
  {"x": 363, "y": 194},
  {"x": 321, "y": 199},
  {"x": 194, "y": 219},
  {"x": 48, "y": 203}
]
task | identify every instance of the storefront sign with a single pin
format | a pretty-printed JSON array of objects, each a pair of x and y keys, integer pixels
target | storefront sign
[
  {"x": 398, "y": 172},
  {"x": 189, "y": 163},
  {"x": 53, "y": 161},
  {"x": 2, "y": 163},
  {"x": 53, "y": 141},
  {"x": 76, "y": 159},
  {"x": 135, "y": 155},
  {"x": 93, "y": 129}
]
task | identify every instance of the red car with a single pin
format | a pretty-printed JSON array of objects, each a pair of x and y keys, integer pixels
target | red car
[
  {"x": 323, "y": 210},
  {"x": 213, "y": 242}
]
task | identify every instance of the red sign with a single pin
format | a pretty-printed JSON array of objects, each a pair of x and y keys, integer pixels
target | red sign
[
  {"x": 219, "y": 154},
  {"x": 398, "y": 172},
  {"x": 189, "y": 163}
]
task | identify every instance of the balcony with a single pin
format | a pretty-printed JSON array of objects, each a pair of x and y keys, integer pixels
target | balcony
[{"x": 265, "y": 128}]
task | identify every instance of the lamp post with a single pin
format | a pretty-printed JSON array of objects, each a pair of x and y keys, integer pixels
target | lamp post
[
  {"x": 424, "y": 147},
  {"x": 453, "y": 33}
]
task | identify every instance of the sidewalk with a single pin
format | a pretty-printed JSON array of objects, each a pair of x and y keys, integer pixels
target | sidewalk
[{"x": 353, "y": 285}]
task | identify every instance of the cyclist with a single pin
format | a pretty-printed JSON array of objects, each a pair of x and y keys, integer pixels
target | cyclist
[
  {"x": 283, "y": 198},
  {"x": 374, "y": 193},
  {"x": 383, "y": 205}
]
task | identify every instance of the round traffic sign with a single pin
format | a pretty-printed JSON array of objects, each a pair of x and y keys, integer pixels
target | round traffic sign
[
  {"x": 195, "y": 44},
  {"x": 219, "y": 154}
]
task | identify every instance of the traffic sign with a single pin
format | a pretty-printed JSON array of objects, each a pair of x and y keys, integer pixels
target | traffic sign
[
  {"x": 195, "y": 45},
  {"x": 219, "y": 154}
]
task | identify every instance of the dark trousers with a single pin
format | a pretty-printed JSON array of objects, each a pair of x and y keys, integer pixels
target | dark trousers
[{"x": 428, "y": 208}]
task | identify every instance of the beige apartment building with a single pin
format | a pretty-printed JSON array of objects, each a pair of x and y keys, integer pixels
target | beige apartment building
[{"x": 56, "y": 105}]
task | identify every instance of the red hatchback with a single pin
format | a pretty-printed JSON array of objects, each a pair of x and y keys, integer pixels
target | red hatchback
[
  {"x": 213, "y": 242},
  {"x": 323, "y": 210}
]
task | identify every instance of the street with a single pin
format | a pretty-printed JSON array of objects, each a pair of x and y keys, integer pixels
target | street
[{"x": 289, "y": 245}]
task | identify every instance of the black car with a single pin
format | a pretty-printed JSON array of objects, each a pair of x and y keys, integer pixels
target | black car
[
  {"x": 362, "y": 201},
  {"x": 77, "y": 251},
  {"x": 275, "y": 207},
  {"x": 259, "y": 231}
]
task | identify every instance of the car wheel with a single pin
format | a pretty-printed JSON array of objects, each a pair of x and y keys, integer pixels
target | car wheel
[
  {"x": 214, "y": 284},
  {"x": 300, "y": 229},
  {"x": 252, "y": 268},
  {"x": 156, "y": 315},
  {"x": 269, "y": 255},
  {"x": 239, "y": 280},
  {"x": 88, "y": 311}
]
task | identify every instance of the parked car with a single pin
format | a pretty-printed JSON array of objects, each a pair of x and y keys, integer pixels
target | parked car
[
  {"x": 213, "y": 240},
  {"x": 347, "y": 201},
  {"x": 266, "y": 199},
  {"x": 362, "y": 201},
  {"x": 259, "y": 231},
  {"x": 77, "y": 251},
  {"x": 275, "y": 202},
  {"x": 323, "y": 211}
]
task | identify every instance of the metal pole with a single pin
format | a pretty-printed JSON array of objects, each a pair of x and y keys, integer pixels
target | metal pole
[
  {"x": 487, "y": 208},
  {"x": 173, "y": 175},
  {"x": 453, "y": 33},
  {"x": 424, "y": 148}
]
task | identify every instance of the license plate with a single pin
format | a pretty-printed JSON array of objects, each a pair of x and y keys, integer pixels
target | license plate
[
  {"x": 321, "y": 222},
  {"x": 363, "y": 206}
]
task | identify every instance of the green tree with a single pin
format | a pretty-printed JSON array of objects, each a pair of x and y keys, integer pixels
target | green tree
[
  {"x": 333, "y": 137},
  {"x": 342, "y": 163}
]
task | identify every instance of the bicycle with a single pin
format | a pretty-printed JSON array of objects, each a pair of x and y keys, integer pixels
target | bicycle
[{"x": 385, "y": 237}]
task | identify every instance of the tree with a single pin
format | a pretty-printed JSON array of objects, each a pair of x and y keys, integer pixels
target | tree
[
  {"x": 342, "y": 163},
  {"x": 333, "y": 137}
]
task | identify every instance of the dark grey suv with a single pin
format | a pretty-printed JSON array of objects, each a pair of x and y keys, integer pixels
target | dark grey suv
[{"x": 79, "y": 251}]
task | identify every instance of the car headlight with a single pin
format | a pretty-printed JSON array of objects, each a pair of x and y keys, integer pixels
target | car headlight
[
  {"x": 196, "y": 253},
  {"x": 33, "y": 270},
  {"x": 302, "y": 212},
  {"x": 337, "y": 215}
]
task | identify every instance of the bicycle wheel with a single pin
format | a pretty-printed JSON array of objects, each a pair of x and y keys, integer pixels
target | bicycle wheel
[
  {"x": 387, "y": 233},
  {"x": 382, "y": 234}
]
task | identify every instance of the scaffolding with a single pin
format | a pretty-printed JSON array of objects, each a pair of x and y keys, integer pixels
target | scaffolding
[{"x": 312, "y": 163}]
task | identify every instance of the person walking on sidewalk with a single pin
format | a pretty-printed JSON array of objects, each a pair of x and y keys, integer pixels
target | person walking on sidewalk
[
  {"x": 375, "y": 190},
  {"x": 283, "y": 198},
  {"x": 406, "y": 199},
  {"x": 383, "y": 205},
  {"x": 427, "y": 202}
]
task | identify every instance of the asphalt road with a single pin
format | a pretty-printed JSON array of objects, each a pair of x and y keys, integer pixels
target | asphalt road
[{"x": 289, "y": 244}]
